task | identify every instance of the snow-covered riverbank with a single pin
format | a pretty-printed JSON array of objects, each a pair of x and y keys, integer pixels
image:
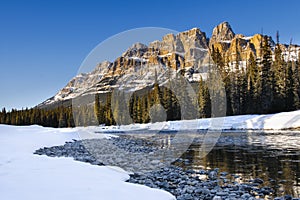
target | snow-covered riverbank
[
  {"x": 278, "y": 121},
  {"x": 24, "y": 175}
]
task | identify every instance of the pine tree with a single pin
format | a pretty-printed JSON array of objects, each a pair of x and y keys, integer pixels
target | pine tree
[
  {"x": 242, "y": 84},
  {"x": 235, "y": 75},
  {"x": 3, "y": 116},
  {"x": 289, "y": 100},
  {"x": 266, "y": 77},
  {"x": 62, "y": 120},
  {"x": 145, "y": 109},
  {"x": 108, "y": 112},
  {"x": 278, "y": 71},
  {"x": 296, "y": 86},
  {"x": 97, "y": 108},
  {"x": 121, "y": 110},
  {"x": 297, "y": 83},
  {"x": 253, "y": 86},
  {"x": 157, "y": 102},
  {"x": 167, "y": 101},
  {"x": 203, "y": 100},
  {"x": 187, "y": 108}
]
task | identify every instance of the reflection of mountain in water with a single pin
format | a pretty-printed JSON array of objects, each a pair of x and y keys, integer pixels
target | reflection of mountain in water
[{"x": 273, "y": 157}]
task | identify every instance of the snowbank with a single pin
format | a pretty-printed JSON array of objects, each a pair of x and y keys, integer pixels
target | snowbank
[
  {"x": 284, "y": 120},
  {"x": 24, "y": 175}
]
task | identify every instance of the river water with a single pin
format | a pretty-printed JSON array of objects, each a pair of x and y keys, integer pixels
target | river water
[{"x": 272, "y": 156}]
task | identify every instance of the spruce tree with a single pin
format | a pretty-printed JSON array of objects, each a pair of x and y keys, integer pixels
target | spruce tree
[
  {"x": 3, "y": 116},
  {"x": 289, "y": 100},
  {"x": 97, "y": 108},
  {"x": 201, "y": 99},
  {"x": 279, "y": 76},
  {"x": 156, "y": 106},
  {"x": 266, "y": 76},
  {"x": 253, "y": 86}
]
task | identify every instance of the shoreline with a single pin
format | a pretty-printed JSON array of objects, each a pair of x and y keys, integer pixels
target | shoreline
[{"x": 183, "y": 184}]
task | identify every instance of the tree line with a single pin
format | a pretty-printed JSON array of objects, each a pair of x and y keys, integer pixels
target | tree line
[
  {"x": 266, "y": 85},
  {"x": 57, "y": 117}
]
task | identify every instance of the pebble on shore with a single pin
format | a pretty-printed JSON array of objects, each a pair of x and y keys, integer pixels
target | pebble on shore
[{"x": 183, "y": 184}]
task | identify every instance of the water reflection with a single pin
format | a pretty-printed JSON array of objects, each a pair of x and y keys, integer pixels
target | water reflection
[{"x": 273, "y": 157}]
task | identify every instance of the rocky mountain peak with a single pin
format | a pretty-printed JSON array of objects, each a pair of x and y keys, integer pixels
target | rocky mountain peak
[
  {"x": 138, "y": 45},
  {"x": 193, "y": 38},
  {"x": 222, "y": 32},
  {"x": 187, "y": 52},
  {"x": 136, "y": 50},
  {"x": 101, "y": 67}
]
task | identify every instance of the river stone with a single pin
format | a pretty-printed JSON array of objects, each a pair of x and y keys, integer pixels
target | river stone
[{"x": 183, "y": 184}]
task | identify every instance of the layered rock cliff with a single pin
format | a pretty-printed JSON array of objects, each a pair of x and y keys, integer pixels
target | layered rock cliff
[{"x": 188, "y": 52}]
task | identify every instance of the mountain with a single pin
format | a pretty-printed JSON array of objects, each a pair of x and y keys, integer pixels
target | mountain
[{"x": 187, "y": 52}]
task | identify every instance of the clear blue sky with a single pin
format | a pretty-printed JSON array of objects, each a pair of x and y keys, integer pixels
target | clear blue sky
[{"x": 42, "y": 43}]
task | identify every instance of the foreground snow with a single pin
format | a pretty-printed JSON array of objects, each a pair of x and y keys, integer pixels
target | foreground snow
[{"x": 24, "y": 175}]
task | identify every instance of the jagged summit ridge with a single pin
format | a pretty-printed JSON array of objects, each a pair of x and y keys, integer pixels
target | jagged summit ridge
[
  {"x": 136, "y": 50},
  {"x": 222, "y": 33},
  {"x": 186, "y": 51}
]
